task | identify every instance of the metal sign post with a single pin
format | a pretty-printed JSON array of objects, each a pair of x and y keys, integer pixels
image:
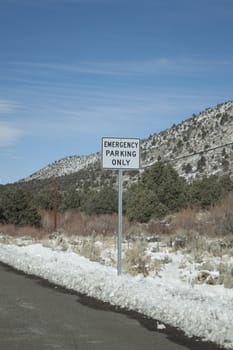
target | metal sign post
[
  {"x": 119, "y": 241},
  {"x": 120, "y": 153}
]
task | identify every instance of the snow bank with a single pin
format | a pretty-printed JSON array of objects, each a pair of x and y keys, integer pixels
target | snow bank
[{"x": 198, "y": 310}]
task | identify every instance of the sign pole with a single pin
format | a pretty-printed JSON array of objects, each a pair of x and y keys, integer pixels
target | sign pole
[
  {"x": 54, "y": 204},
  {"x": 119, "y": 242}
]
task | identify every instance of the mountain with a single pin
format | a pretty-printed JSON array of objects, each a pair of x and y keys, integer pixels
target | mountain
[
  {"x": 65, "y": 166},
  {"x": 200, "y": 146}
]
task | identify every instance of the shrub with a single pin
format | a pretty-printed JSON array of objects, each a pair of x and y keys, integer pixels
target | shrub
[
  {"x": 160, "y": 191},
  {"x": 19, "y": 231},
  {"x": 90, "y": 250},
  {"x": 74, "y": 222},
  {"x": 221, "y": 216},
  {"x": 136, "y": 260},
  {"x": 207, "y": 191},
  {"x": 101, "y": 202},
  {"x": 17, "y": 208},
  {"x": 228, "y": 278},
  {"x": 141, "y": 204},
  {"x": 201, "y": 164},
  {"x": 187, "y": 168},
  {"x": 186, "y": 219}
]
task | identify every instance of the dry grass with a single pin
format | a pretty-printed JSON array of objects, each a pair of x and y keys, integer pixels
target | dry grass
[
  {"x": 221, "y": 216},
  {"x": 136, "y": 260},
  {"x": 186, "y": 220},
  {"x": 94, "y": 236},
  {"x": 73, "y": 222},
  {"x": 19, "y": 231},
  {"x": 188, "y": 230},
  {"x": 217, "y": 221}
]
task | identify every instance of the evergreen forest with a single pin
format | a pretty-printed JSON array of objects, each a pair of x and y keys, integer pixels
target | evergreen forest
[{"x": 159, "y": 191}]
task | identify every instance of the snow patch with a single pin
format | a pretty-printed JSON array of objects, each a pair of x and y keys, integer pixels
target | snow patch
[{"x": 199, "y": 310}]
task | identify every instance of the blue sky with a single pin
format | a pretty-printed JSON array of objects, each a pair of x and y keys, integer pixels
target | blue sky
[{"x": 72, "y": 71}]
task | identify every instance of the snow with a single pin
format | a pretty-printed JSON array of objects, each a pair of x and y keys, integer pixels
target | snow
[
  {"x": 65, "y": 166},
  {"x": 198, "y": 309}
]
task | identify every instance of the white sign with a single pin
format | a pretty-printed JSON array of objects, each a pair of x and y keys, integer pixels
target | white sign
[{"x": 120, "y": 153}]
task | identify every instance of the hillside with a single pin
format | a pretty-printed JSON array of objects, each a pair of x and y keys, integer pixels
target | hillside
[
  {"x": 65, "y": 166},
  {"x": 200, "y": 146}
]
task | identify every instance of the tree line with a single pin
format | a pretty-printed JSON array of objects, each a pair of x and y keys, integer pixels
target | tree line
[{"x": 158, "y": 192}]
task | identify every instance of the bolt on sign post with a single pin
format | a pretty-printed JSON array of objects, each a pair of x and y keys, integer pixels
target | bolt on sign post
[{"x": 120, "y": 154}]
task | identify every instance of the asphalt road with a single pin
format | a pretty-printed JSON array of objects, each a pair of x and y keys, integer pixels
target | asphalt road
[{"x": 36, "y": 315}]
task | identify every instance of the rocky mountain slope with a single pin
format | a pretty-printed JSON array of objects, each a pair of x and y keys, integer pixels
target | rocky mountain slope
[
  {"x": 199, "y": 146},
  {"x": 65, "y": 166}
]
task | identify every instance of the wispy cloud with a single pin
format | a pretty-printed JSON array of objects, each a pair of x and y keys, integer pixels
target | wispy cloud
[
  {"x": 7, "y": 106},
  {"x": 163, "y": 65},
  {"x": 43, "y": 3},
  {"x": 8, "y": 135},
  {"x": 108, "y": 113},
  {"x": 52, "y": 1},
  {"x": 53, "y": 101}
]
